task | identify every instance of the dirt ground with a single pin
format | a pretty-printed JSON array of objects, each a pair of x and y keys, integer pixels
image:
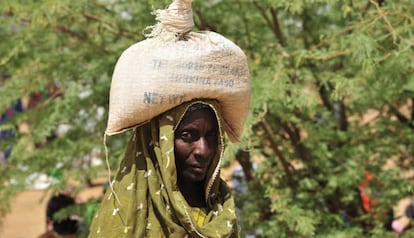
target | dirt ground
[{"x": 27, "y": 216}]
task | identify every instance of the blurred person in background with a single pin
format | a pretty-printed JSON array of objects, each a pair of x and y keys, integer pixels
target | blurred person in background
[{"x": 60, "y": 228}]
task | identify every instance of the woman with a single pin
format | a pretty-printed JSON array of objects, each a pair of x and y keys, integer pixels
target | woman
[{"x": 168, "y": 184}]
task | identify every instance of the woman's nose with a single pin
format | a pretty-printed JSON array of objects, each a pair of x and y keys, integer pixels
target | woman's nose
[{"x": 201, "y": 147}]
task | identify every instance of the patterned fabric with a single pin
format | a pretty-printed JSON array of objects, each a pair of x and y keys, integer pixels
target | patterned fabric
[
  {"x": 199, "y": 215},
  {"x": 145, "y": 200}
]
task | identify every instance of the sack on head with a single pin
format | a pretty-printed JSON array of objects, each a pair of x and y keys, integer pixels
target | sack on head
[{"x": 175, "y": 65}]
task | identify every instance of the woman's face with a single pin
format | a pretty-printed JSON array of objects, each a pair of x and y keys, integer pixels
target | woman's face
[{"x": 195, "y": 144}]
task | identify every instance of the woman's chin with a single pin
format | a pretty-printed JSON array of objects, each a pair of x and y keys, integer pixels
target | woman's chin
[{"x": 196, "y": 175}]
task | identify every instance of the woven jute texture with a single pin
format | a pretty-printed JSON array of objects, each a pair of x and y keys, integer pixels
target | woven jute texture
[{"x": 174, "y": 65}]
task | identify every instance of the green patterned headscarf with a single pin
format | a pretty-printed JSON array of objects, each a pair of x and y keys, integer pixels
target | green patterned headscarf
[{"x": 145, "y": 200}]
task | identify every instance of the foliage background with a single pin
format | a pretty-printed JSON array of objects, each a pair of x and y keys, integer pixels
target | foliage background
[{"x": 333, "y": 95}]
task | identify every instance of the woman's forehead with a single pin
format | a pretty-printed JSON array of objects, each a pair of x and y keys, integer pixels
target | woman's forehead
[
  {"x": 205, "y": 114},
  {"x": 196, "y": 107},
  {"x": 177, "y": 115}
]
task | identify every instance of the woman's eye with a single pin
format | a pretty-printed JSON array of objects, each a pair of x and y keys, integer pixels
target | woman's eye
[
  {"x": 189, "y": 136},
  {"x": 185, "y": 135}
]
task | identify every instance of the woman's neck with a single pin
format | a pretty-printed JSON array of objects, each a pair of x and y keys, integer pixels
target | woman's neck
[{"x": 193, "y": 193}]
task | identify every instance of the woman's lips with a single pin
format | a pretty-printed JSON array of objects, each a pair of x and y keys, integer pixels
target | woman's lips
[{"x": 199, "y": 169}]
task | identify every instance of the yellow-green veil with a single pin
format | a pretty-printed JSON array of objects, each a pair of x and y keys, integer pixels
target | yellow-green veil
[{"x": 145, "y": 200}]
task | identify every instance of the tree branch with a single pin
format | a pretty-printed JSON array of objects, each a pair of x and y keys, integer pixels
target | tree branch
[
  {"x": 286, "y": 165},
  {"x": 295, "y": 139},
  {"x": 65, "y": 29},
  {"x": 403, "y": 119},
  {"x": 323, "y": 93},
  {"x": 343, "y": 120},
  {"x": 412, "y": 109},
  {"x": 378, "y": 4},
  {"x": 204, "y": 24},
  {"x": 368, "y": 4},
  {"x": 243, "y": 157},
  {"x": 276, "y": 27},
  {"x": 109, "y": 26},
  {"x": 246, "y": 27},
  {"x": 273, "y": 23}
]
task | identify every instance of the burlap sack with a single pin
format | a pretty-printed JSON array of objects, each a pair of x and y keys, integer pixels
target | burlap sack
[{"x": 175, "y": 65}]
